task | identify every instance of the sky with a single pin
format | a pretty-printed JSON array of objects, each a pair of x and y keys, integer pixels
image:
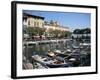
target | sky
[{"x": 71, "y": 20}]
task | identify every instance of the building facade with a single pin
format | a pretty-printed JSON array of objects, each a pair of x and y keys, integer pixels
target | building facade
[
  {"x": 33, "y": 21},
  {"x": 38, "y": 21}
]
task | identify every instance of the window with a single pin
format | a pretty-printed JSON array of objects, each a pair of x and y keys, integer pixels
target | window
[
  {"x": 34, "y": 24},
  {"x": 42, "y": 24},
  {"x": 37, "y": 24},
  {"x": 29, "y": 22}
]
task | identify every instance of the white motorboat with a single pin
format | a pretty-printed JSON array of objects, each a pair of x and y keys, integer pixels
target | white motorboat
[{"x": 50, "y": 62}]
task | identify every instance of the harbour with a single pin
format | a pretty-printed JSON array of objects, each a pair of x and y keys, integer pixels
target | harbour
[
  {"x": 57, "y": 54},
  {"x": 51, "y": 43}
]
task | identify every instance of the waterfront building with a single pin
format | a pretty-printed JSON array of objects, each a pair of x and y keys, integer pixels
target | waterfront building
[
  {"x": 54, "y": 25},
  {"x": 33, "y": 20},
  {"x": 38, "y": 21}
]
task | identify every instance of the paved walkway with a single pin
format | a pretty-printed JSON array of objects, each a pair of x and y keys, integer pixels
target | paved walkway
[{"x": 45, "y": 41}]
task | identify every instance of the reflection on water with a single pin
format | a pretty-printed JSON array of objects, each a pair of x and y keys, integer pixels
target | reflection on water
[
  {"x": 82, "y": 54},
  {"x": 43, "y": 48},
  {"x": 50, "y": 46}
]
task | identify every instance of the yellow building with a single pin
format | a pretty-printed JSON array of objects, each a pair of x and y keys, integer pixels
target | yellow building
[
  {"x": 54, "y": 26},
  {"x": 38, "y": 21},
  {"x": 33, "y": 20}
]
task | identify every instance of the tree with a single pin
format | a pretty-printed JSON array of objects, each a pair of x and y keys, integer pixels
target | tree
[
  {"x": 67, "y": 33},
  {"x": 76, "y": 31},
  {"x": 51, "y": 22},
  {"x": 30, "y": 31},
  {"x": 81, "y": 32},
  {"x": 87, "y": 31},
  {"x": 62, "y": 34},
  {"x": 41, "y": 31},
  {"x": 50, "y": 32},
  {"x": 45, "y": 22},
  {"x": 56, "y": 33},
  {"x": 35, "y": 31}
]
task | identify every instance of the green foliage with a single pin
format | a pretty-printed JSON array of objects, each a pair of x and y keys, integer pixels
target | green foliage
[
  {"x": 82, "y": 31},
  {"x": 35, "y": 31},
  {"x": 67, "y": 33},
  {"x": 77, "y": 31},
  {"x": 31, "y": 31},
  {"x": 58, "y": 33}
]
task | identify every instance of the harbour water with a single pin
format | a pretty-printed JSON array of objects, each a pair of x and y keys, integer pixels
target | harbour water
[{"x": 42, "y": 49}]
